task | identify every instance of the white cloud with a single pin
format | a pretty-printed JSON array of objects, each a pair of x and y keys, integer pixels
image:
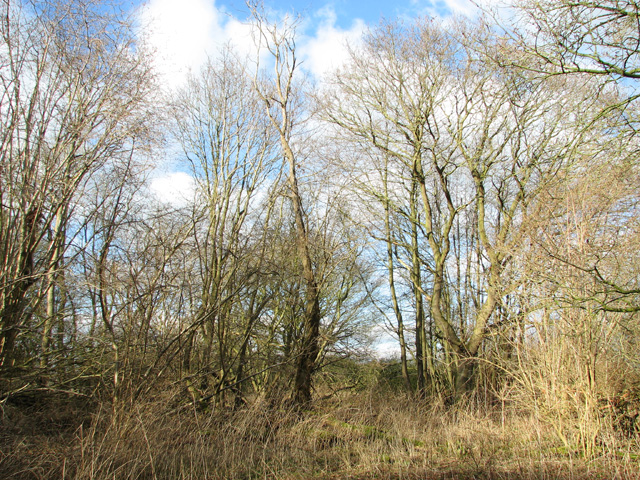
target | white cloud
[
  {"x": 183, "y": 33},
  {"x": 385, "y": 344},
  {"x": 387, "y": 349},
  {"x": 176, "y": 188},
  {"x": 239, "y": 34},
  {"x": 326, "y": 50},
  {"x": 465, "y": 7},
  {"x": 179, "y": 34}
]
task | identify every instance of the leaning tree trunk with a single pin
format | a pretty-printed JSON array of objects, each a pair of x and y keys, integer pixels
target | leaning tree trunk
[{"x": 308, "y": 353}]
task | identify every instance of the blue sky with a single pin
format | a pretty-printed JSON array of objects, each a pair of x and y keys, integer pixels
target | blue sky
[{"x": 371, "y": 12}]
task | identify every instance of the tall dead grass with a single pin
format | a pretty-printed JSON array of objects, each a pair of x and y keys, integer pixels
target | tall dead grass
[{"x": 360, "y": 435}]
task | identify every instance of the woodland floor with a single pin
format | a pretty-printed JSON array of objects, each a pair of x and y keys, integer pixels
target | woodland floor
[{"x": 358, "y": 436}]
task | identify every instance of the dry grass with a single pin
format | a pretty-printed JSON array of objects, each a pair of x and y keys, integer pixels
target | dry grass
[{"x": 366, "y": 435}]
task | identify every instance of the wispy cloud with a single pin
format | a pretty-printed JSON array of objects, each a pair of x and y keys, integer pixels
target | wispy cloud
[{"x": 445, "y": 8}]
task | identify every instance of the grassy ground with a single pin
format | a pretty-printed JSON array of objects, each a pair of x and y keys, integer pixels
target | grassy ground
[{"x": 355, "y": 435}]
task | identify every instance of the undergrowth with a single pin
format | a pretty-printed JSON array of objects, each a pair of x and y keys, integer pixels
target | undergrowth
[{"x": 369, "y": 434}]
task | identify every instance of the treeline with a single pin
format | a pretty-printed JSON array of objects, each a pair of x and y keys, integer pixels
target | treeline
[{"x": 470, "y": 186}]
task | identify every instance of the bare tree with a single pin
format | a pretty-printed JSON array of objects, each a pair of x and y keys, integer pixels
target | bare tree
[
  {"x": 281, "y": 99},
  {"x": 597, "y": 41},
  {"x": 230, "y": 147},
  {"x": 470, "y": 137},
  {"x": 73, "y": 92},
  {"x": 596, "y": 38}
]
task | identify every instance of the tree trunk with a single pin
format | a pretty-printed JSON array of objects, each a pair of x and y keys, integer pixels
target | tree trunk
[{"x": 306, "y": 360}]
